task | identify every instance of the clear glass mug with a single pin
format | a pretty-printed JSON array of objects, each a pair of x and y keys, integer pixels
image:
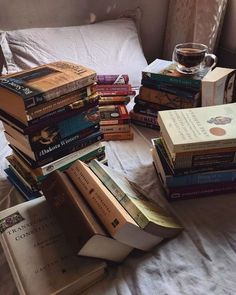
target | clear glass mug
[{"x": 191, "y": 58}]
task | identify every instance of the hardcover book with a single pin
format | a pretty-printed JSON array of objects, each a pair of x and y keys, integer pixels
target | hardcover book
[
  {"x": 199, "y": 128},
  {"x": 85, "y": 234},
  {"x": 39, "y": 257},
  {"x": 109, "y": 211},
  {"x": 38, "y": 85},
  {"x": 148, "y": 215},
  {"x": 219, "y": 87},
  {"x": 165, "y": 73},
  {"x": 143, "y": 117}
]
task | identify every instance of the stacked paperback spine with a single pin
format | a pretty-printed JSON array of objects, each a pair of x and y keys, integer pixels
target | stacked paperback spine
[
  {"x": 196, "y": 153},
  {"x": 51, "y": 118},
  {"x": 114, "y": 92},
  {"x": 164, "y": 88}
]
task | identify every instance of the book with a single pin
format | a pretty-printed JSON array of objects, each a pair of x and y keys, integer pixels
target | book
[
  {"x": 146, "y": 124},
  {"x": 35, "y": 86},
  {"x": 201, "y": 177},
  {"x": 113, "y": 115},
  {"x": 115, "y": 128},
  {"x": 58, "y": 133},
  {"x": 40, "y": 259},
  {"x": 169, "y": 100},
  {"x": 88, "y": 238},
  {"x": 143, "y": 117},
  {"x": 49, "y": 156},
  {"x": 147, "y": 104},
  {"x": 218, "y": 86},
  {"x": 148, "y": 214},
  {"x": 114, "y": 89},
  {"x": 113, "y": 79},
  {"x": 84, "y": 154},
  {"x": 108, "y": 100},
  {"x": 199, "y": 128},
  {"x": 109, "y": 211},
  {"x": 118, "y": 135},
  {"x": 160, "y": 72},
  {"x": 149, "y": 111}
]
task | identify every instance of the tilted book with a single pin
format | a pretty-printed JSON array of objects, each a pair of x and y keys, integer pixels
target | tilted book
[
  {"x": 39, "y": 257},
  {"x": 201, "y": 128},
  {"x": 38, "y": 85},
  {"x": 110, "y": 212},
  {"x": 148, "y": 214},
  {"x": 219, "y": 86},
  {"x": 84, "y": 233}
]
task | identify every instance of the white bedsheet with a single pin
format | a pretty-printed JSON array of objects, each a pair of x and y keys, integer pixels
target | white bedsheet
[{"x": 199, "y": 261}]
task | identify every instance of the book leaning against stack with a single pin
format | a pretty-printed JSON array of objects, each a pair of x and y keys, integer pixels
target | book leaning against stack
[
  {"x": 51, "y": 118},
  {"x": 195, "y": 154},
  {"x": 163, "y": 88}
]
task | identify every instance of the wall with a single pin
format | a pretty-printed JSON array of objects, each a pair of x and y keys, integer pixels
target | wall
[{"x": 16, "y": 14}]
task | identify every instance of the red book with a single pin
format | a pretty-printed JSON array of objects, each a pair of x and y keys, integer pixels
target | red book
[{"x": 114, "y": 114}]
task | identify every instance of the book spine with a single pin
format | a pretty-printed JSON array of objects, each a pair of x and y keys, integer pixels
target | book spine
[
  {"x": 115, "y": 128},
  {"x": 167, "y": 99},
  {"x": 122, "y": 198},
  {"x": 112, "y": 79},
  {"x": 118, "y": 136},
  {"x": 143, "y": 118},
  {"x": 108, "y": 100},
  {"x": 145, "y": 124},
  {"x": 205, "y": 190},
  {"x": 57, "y": 92},
  {"x": 105, "y": 206},
  {"x": 147, "y": 104},
  {"x": 201, "y": 178},
  {"x": 116, "y": 92},
  {"x": 113, "y": 87},
  {"x": 145, "y": 111},
  {"x": 59, "y": 102},
  {"x": 50, "y": 157},
  {"x": 171, "y": 80}
]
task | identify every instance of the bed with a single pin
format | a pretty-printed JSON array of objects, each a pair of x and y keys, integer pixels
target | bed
[{"x": 202, "y": 259}]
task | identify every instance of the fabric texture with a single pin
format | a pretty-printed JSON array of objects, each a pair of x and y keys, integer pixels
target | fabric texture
[
  {"x": 197, "y": 21},
  {"x": 107, "y": 47}
]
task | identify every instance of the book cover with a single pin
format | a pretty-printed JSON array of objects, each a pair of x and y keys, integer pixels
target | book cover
[
  {"x": 89, "y": 237},
  {"x": 148, "y": 215},
  {"x": 39, "y": 257},
  {"x": 199, "y": 128},
  {"x": 113, "y": 79},
  {"x": 143, "y": 117},
  {"x": 113, "y": 216},
  {"x": 169, "y": 100},
  {"x": 219, "y": 87},
  {"x": 50, "y": 156},
  {"x": 31, "y": 87},
  {"x": 114, "y": 114},
  {"x": 166, "y": 73}
]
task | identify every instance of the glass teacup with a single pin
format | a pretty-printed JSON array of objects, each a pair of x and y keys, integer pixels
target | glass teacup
[{"x": 191, "y": 58}]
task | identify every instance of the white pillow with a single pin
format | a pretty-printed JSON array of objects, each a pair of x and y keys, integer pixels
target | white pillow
[{"x": 109, "y": 47}]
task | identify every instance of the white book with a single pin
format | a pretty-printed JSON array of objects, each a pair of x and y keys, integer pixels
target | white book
[
  {"x": 200, "y": 128},
  {"x": 39, "y": 257}
]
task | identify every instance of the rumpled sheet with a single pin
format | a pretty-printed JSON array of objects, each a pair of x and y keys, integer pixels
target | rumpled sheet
[{"x": 199, "y": 261}]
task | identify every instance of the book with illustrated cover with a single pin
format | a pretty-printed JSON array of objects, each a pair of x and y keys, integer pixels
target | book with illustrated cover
[
  {"x": 219, "y": 87},
  {"x": 85, "y": 234},
  {"x": 112, "y": 215},
  {"x": 40, "y": 259},
  {"x": 114, "y": 114},
  {"x": 148, "y": 214},
  {"x": 211, "y": 127},
  {"x": 35, "y": 86},
  {"x": 164, "y": 72}
]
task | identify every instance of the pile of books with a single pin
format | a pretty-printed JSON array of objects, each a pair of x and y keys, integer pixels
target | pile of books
[
  {"x": 51, "y": 118},
  {"x": 163, "y": 88},
  {"x": 114, "y": 94},
  {"x": 196, "y": 153},
  {"x": 89, "y": 210}
]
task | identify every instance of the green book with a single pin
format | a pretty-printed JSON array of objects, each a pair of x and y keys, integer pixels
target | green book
[{"x": 147, "y": 214}]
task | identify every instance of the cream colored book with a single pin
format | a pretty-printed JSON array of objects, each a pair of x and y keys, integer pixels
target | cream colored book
[
  {"x": 39, "y": 257},
  {"x": 114, "y": 217},
  {"x": 218, "y": 86},
  {"x": 201, "y": 128},
  {"x": 148, "y": 214}
]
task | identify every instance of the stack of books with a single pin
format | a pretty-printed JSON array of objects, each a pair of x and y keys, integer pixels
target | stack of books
[
  {"x": 196, "y": 153},
  {"x": 51, "y": 118},
  {"x": 114, "y": 93},
  {"x": 163, "y": 88}
]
